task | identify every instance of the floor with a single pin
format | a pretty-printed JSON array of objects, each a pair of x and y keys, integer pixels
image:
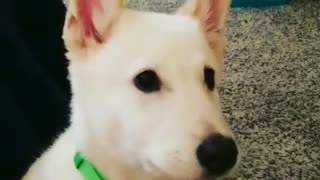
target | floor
[
  {"x": 271, "y": 94},
  {"x": 272, "y": 90}
]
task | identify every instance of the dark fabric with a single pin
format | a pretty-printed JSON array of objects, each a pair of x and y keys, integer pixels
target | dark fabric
[{"x": 34, "y": 90}]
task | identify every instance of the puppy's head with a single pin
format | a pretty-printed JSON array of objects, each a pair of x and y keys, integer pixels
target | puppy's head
[{"x": 145, "y": 86}]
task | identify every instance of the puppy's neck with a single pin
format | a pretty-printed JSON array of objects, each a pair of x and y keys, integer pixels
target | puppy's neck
[
  {"x": 103, "y": 159},
  {"x": 106, "y": 164}
]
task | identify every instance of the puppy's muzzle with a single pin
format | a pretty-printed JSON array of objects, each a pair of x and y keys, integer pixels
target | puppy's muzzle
[{"x": 217, "y": 155}]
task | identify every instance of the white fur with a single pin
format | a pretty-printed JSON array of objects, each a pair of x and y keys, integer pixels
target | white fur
[{"x": 128, "y": 134}]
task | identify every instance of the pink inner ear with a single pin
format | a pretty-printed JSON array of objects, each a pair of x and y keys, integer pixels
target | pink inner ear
[
  {"x": 86, "y": 8},
  {"x": 214, "y": 16}
]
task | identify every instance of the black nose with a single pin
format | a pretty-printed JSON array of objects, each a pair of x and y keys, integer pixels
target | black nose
[{"x": 217, "y": 154}]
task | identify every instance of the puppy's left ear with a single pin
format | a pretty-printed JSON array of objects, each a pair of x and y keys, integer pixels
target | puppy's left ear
[{"x": 211, "y": 13}]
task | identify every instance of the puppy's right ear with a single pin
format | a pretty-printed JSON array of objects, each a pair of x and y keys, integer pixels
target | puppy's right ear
[
  {"x": 89, "y": 23},
  {"x": 211, "y": 13}
]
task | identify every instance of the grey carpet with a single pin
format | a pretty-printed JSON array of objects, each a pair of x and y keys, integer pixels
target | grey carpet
[
  {"x": 271, "y": 94},
  {"x": 272, "y": 90}
]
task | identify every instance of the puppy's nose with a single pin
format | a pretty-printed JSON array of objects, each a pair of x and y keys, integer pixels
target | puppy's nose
[{"x": 217, "y": 154}]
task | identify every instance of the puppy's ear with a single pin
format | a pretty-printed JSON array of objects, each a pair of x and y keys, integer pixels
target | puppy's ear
[
  {"x": 211, "y": 13},
  {"x": 89, "y": 23}
]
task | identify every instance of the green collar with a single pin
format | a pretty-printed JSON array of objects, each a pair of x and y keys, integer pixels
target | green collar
[{"x": 88, "y": 171}]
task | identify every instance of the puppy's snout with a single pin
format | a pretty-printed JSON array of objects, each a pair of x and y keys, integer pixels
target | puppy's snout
[{"x": 217, "y": 154}]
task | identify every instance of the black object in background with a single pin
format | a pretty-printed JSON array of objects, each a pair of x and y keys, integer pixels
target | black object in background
[{"x": 34, "y": 90}]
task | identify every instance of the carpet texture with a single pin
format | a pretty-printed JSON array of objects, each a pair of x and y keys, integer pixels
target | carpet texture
[{"x": 271, "y": 92}]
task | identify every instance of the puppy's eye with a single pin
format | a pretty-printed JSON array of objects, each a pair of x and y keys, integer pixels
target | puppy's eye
[
  {"x": 209, "y": 78},
  {"x": 147, "y": 81}
]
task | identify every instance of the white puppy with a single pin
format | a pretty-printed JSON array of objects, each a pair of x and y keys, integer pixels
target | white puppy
[{"x": 145, "y": 100}]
